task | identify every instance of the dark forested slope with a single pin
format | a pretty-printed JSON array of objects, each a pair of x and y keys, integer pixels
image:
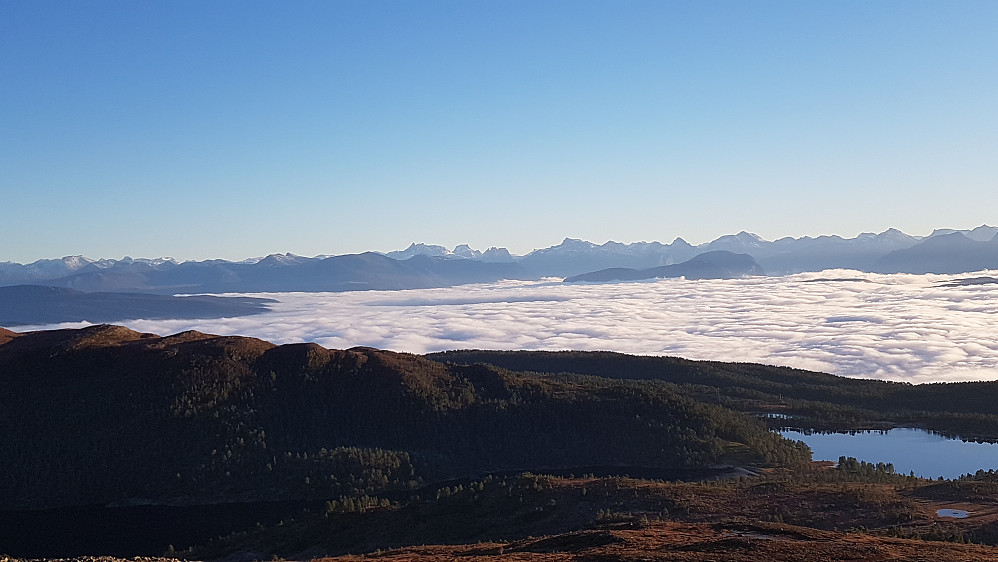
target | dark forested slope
[
  {"x": 357, "y": 450},
  {"x": 107, "y": 415},
  {"x": 815, "y": 400}
]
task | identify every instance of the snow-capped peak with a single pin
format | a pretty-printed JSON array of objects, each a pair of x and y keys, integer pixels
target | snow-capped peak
[{"x": 465, "y": 251}]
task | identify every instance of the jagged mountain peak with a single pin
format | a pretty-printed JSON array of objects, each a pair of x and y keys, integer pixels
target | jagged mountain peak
[
  {"x": 466, "y": 251},
  {"x": 983, "y": 233},
  {"x": 576, "y": 244},
  {"x": 463, "y": 251},
  {"x": 274, "y": 260},
  {"x": 419, "y": 249},
  {"x": 896, "y": 236},
  {"x": 742, "y": 241},
  {"x": 76, "y": 261},
  {"x": 495, "y": 254}
]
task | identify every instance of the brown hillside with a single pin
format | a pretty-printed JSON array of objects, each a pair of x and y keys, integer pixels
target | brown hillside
[
  {"x": 676, "y": 541},
  {"x": 7, "y": 335}
]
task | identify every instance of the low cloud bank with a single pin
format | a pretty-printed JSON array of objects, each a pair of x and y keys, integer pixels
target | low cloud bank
[{"x": 898, "y": 327}]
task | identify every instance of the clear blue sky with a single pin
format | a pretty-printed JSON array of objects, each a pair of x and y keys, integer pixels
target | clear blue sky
[{"x": 237, "y": 129}]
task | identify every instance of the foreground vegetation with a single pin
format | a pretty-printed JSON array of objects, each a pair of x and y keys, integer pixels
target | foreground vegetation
[
  {"x": 814, "y": 512},
  {"x": 228, "y": 446}
]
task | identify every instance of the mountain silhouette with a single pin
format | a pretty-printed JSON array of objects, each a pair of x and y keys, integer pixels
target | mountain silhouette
[
  {"x": 719, "y": 264},
  {"x": 947, "y": 253},
  {"x": 426, "y": 265}
]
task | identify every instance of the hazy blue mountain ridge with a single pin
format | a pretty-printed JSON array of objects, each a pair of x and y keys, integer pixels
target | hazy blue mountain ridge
[
  {"x": 946, "y": 253},
  {"x": 426, "y": 266},
  {"x": 338, "y": 273},
  {"x": 573, "y": 256},
  {"x": 983, "y": 233},
  {"x": 718, "y": 264}
]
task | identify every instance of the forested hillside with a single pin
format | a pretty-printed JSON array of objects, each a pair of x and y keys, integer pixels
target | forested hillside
[
  {"x": 107, "y": 415},
  {"x": 817, "y": 401},
  {"x": 116, "y": 442}
]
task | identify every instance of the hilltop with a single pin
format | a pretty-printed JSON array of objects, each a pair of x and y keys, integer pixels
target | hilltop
[{"x": 193, "y": 418}]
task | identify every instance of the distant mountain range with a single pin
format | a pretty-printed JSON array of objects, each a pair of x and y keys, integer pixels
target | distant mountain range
[
  {"x": 719, "y": 264},
  {"x": 425, "y": 266},
  {"x": 276, "y": 273}
]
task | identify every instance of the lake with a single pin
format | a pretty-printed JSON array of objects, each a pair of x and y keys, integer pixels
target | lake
[{"x": 911, "y": 450}]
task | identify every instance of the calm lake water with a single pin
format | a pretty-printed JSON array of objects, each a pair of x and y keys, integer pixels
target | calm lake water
[{"x": 917, "y": 450}]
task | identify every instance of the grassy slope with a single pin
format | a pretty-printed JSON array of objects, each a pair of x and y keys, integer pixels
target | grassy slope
[{"x": 819, "y": 513}]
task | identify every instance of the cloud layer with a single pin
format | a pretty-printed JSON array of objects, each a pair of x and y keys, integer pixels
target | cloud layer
[{"x": 898, "y": 327}]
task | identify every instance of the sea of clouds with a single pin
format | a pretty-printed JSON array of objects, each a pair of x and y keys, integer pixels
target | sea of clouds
[{"x": 912, "y": 328}]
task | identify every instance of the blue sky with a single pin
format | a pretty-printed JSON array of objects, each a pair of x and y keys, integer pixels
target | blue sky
[{"x": 238, "y": 129}]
